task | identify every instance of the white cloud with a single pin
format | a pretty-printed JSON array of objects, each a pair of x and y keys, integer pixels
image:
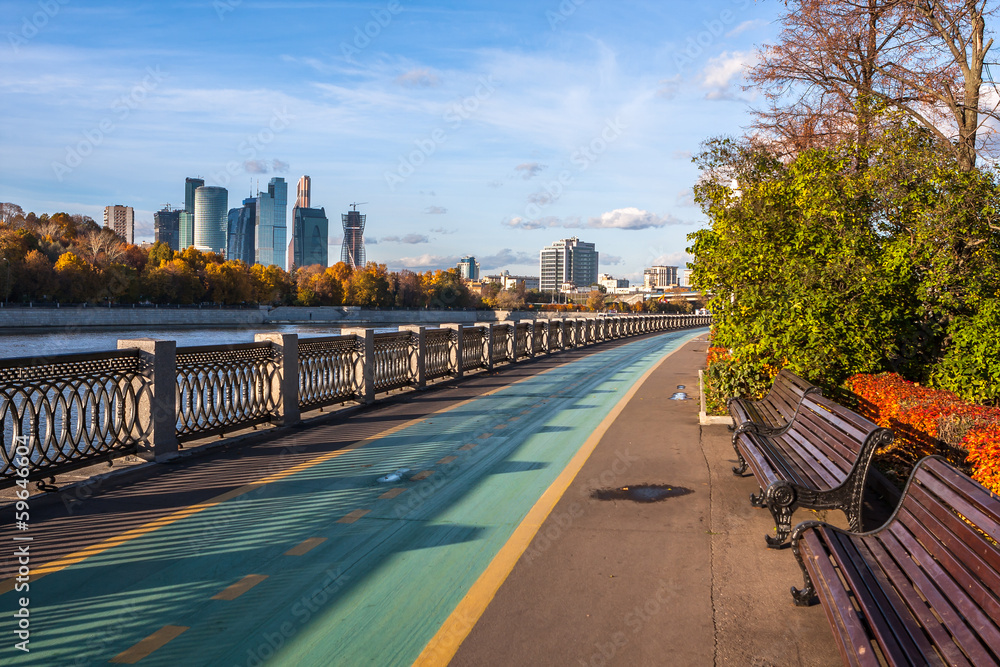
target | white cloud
[
  {"x": 678, "y": 258},
  {"x": 723, "y": 71},
  {"x": 529, "y": 169},
  {"x": 418, "y": 78},
  {"x": 629, "y": 218},
  {"x": 408, "y": 238},
  {"x": 611, "y": 259},
  {"x": 746, "y": 25},
  {"x": 685, "y": 197},
  {"x": 435, "y": 210}
]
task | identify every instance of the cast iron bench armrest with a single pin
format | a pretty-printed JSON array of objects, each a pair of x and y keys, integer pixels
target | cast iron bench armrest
[
  {"x": 924, "y": 588},
  {"x": 820, "y": 461},
  {"x": 772, "y": 414}
]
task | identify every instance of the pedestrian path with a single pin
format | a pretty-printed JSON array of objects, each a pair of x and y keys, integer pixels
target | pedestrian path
[{"x": 354, "y": 555}]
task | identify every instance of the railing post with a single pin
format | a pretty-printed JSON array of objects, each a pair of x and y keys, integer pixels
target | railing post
[
  {"x": 455, "y": 351},
  {"x": 418, "y": 362},
  {"x": 487, "y": 343},
  {"x": 366, "y": 365},
  {"x": 160, "y": 403},
  {"x": 285, "y": 385},
  {"x": 557, "y": 332},
  {"x": 511, "y": 339}
]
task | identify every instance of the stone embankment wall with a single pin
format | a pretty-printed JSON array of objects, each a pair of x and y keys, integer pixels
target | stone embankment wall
[{"x": 97, "y": 317}]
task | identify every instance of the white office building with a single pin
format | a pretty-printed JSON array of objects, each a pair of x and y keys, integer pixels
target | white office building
[{"x": 567, "y": 261}]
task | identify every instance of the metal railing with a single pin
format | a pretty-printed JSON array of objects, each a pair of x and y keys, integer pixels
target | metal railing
[{"x": 69, "y": 411}]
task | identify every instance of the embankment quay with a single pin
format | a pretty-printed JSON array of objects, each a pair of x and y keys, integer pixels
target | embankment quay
[
  {"x": 462, "y": 524},
  {"x": 90, "y": 317}
]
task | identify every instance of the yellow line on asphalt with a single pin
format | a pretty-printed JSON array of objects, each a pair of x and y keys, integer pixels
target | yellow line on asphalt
[
  {"x": 305, "y": 547},
  {"x": 62, "y": 563},
  {"x": 240, "y": 587},
  {"x": 353, "y": 516},
  {"x": 130, "y": 656},
  {"x": 444, "y": 644}
]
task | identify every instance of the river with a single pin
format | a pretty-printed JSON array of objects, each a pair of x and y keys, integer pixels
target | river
[{"x": 72, "y": 341}]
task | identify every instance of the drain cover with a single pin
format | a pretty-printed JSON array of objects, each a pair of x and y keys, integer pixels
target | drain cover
[
  {"x": 678, "y": 396},
  {"x": 641, "y": 493}
]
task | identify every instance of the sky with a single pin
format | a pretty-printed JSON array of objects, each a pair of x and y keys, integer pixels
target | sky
[{"x": 461, "y": 128}]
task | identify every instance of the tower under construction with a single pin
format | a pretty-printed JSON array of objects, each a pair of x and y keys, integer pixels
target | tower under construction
[{"x": 352, "y": 252}]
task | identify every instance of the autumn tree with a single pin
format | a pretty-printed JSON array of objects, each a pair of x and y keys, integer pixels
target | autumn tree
[{"x": 595, "y": 300}]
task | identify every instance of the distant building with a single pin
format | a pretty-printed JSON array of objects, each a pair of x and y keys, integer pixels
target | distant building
[
  {"x": 507, "y": 281},
  {"x": 684, "y": 278},
  {"x": 468, "y": 268},
  {"x": 185, "y": 232},
  {"x": 211, "y": 204},
  {"x": 167, "y": 227},
  {"x": 241, "y": 229},
  {"x": 303, "y": 197},
  {"x": 352, "y": 252},
  {"x": 658, "y": 277},
  {"x": 310, "y": 237},
  {"x": 121, "y": 220},
  {"x": 568, "y": 261},
  {"x": 610, "y": 283},
  {"x": 270, "y": 239}
]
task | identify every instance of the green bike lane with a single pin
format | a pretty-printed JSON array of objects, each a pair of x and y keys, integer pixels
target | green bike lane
[{"x": 328, "y": 565}]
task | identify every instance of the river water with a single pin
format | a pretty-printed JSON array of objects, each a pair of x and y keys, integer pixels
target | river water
[{"x": 72, "y": 341}]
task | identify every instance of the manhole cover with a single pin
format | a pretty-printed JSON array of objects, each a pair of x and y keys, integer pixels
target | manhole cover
[{"x": 641, "y": 493}]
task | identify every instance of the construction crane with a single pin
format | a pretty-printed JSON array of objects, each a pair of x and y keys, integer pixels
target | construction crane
[{"x": 355, "y": 206}]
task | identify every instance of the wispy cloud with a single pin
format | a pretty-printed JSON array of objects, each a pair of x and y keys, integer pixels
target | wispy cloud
[
  {"x": 435, "y": 210},
  {"x": 408, "y": 238},
  {"x": 612, "y": 260},
  {"x": 418, "y": 78},
  {"x": 722, "y": 72},
  {"x": 529, "y": 170},
  {"x": 622, "y": 218},
  {"x": 746, "y": 25}
]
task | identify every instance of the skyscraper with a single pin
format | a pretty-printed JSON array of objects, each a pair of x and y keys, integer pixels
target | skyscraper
[
  {"x": 568, "y": 261},
  {"x": 270, "y": 238},
  {"x": 352, "y": 252},
  {"x": 166, "y": 227},
  {"x": 242, "y": 224},
  {"x": 211, "y": 204},
  {"x": 302, "y": 192},
  {"x": 468, "y": 268},
  {"x": 185, "y": 234},
  {"x": 310, "y": 234},
  {"x": 121, "y": 220}
]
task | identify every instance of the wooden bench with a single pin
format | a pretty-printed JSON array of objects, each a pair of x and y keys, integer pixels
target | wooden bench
[
  {"x": 819, "y": 461},
  {"x": 922, "y": 589},
  {"x": 776, "y": 410}
]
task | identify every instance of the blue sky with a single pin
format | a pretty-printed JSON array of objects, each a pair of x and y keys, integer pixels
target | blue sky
[{"x": 480, "y": 128}]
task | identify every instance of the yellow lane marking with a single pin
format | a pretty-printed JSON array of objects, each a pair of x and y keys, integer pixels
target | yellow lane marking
[
  {"x": 240, "y": 587},
  {"x": 422, "y": 475},
  {"x": 305, "y": 547},
  {"x": 444, "y": 644},
  {"x": 133, "y": 655},
  {"x": 392, "y": 493},
  {"x": 485, "y": 435},
  {"x": 447, "y": 459},
  {"x": 467, "y": 447},
  {"x": 353, "y": 516}
]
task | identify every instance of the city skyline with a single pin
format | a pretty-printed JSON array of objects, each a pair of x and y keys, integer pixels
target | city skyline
[{"x": 516, "y": 124}]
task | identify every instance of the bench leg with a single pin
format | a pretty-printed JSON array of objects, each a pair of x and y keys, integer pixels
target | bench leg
[
  {"x": 757, "y": 499},
  {"x": 804, "y": 596},
  {"x": 780, "y": 499},
  {"x": 740, "y": 469}
]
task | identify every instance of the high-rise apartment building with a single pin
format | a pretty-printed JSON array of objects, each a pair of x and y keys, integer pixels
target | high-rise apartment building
[
  {"x": 303, "y": 197},
  {"x": 310, "y": 236},
  {"x": 658, "y": 277},
  {"x": 185, "y": 233},
  {"x": 468, "y": 268},
  {"x": 241, "y": 228},
  {"x": 567, "y": 261},
  {"x": 352, "y": 252},
  {"x": 166, "y": 227},
  {"x": 270, "y": 238},
  {"x": 121, "y": 220},
  {"x": 211, "y": 205}
]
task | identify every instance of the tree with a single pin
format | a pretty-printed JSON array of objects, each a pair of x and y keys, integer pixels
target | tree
[
  {"x": 39, "y": 278},
  {"x": 77, "y": 278},
  {"x": 229, "y": 282},
  {"x": 159, "y": 252},
  {"x": 595, "y": 300},
  {"x": 838, "y": 62},
  {"x": 369, "y": 286},
  {"x": 272, "y": 285},
  {"x": 173, "y": 282},
  {"x": 9, "y": 213}
]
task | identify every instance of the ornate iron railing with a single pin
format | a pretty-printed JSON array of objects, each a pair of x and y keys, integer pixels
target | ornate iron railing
[
  {"x": 328, "y": 370},
  {"x": 538, "y": 340},
  {"x": 224, "y": 387},
  {"x": 437, "y": 352},
  {"x": 501, "y": 343},
  {"x": 522, "y": 339},
  {"x": 472, "y": 348},
  {"x": 70, "y": 411},
  {"x": 394, "y": 354}
]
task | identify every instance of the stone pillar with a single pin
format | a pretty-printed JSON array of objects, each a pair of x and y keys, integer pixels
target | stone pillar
[
  {"x": 158, "y": 407},
  {"x": 285, "y": 386},
  {"x": 487, "y": 343},
  {"x": 456, "y": 349},
  {"x": 365, "y": 370},
  {"x": 418, "y": 362}
]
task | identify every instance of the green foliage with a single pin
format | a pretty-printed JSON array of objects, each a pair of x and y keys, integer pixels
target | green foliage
[
  {"x": 833, "y": 270},
  {"x": 971, "y": 365}
]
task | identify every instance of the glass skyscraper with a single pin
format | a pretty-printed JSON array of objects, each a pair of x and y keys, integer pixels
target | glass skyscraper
[
  {"x": 242, "y": 223},
  {"x": 270, "y": 239},
  {"x": 352, "y": 252},
  {"x": 185, "y": 223},
  {"x": 166, "y": 227},
  {"x": 310, "y": 234},
  {"x": 211, "y": 205}
]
